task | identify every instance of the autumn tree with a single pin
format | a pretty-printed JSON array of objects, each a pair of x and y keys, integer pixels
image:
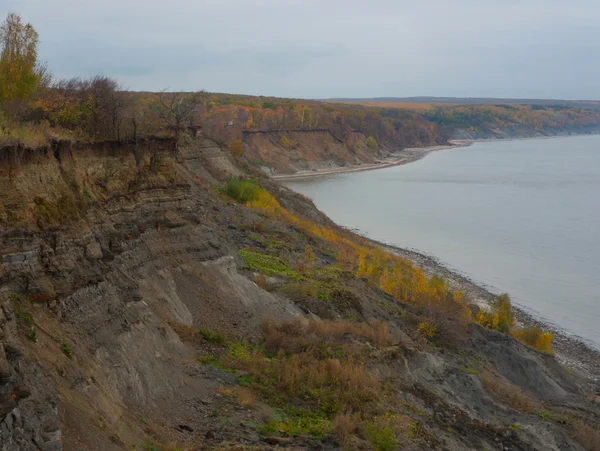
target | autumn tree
[
  {"x": 503, "y": 307},
  {"x": 20, "y": 73},
  {"x": 179, "y": 109},
  {"x": 95, "y": 106}
]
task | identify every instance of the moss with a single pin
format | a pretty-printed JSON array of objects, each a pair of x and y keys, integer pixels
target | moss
[{"x": 269, "y": 265}]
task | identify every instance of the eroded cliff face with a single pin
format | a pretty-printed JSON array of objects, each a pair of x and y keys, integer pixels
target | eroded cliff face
[
  {"x": 101, "y": 247},
  {"x": 307, "y": 149},
  {"x": 111, "y": 254}
]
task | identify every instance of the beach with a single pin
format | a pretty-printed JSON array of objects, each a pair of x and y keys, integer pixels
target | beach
[{"x": 398, "y": 158}]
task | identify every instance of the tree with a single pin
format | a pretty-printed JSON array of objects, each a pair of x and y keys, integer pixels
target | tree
[
  {"x": 503, "y": 307},
  {"x": 20, "y": 74},
  {"x": 372, "y": 143},
  {"x": 177, "y": 109}
]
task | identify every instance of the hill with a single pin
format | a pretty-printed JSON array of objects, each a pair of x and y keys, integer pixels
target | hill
[{"x": 163, "y": 295}]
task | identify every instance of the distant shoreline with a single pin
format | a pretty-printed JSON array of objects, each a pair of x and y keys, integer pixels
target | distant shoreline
[
  {"x": 409, "y": 155},
  {"x": 406, "y": 156}
]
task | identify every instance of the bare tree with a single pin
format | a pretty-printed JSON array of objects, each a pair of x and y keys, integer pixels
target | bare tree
[{"x": 178, "y": 110}]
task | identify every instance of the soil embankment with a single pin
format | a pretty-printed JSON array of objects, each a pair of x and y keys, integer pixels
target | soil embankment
[{"x": 136, "y": 300}]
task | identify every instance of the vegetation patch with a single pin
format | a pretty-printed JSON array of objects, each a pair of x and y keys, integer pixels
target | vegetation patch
[
  {"x": 535, "y": 337},
  {"x": 507, "y": 393},
  {"x": 269, "y": 265},
  {"x": 313, "y": 373},
  {"x": 243, "y": 191},
  {"x": 210, "y": 336}
]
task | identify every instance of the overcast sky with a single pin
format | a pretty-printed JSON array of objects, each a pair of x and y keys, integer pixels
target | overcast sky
[{"x": 327, "y": 48}]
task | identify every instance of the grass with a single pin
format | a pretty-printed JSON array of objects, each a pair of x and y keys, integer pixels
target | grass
[
  {"x": 66, "y": 349},
  {"x": 210, "y": 336},
  {"x": 507, "y": 393},
  {"x": 30, "y": 135},
  {"x": 311, "y": 374},
  {"x": 269, "y": 265},
  {"x": 588, "y": 436}
]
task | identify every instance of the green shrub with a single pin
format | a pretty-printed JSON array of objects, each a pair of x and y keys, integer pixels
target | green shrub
[
  {"x": 382, "y": 438},
  {"x": 210, "y": 336},
  {"x": 32, "y": 335},
  {"x": 241, "y": 190},
  {"x": 66, "y": 349},
  {"x": 372, "y": 143}
]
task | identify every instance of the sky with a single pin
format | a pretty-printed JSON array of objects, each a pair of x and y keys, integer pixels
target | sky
[{"x": 326, "y": 48}]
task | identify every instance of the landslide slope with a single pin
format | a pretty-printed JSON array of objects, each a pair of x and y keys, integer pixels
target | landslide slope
[{"x": 142, "y": 308}]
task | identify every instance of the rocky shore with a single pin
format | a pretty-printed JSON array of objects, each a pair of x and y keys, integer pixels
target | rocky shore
[{"x": 572, "y": 351}]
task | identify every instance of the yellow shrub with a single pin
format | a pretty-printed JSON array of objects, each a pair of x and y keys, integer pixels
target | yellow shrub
[
  {"x": 535, "y": 337},
  {"x": 487, "y": 319},
  {"x": 427, "y": 329}
]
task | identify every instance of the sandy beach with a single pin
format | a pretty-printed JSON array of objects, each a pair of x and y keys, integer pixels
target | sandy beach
[{"x": 404, "y": 156}]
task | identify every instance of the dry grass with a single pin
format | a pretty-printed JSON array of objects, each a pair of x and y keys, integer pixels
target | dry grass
[
  {"x": 588, "y": 436},
  {"x": 246, "y": 397},
  {"x": 507, "y": 393},
  {"x": 300, "y": 335},
  {"x": 344, "y": 427},
  {"x": 30, "y": 135},
  {"x": 341, "y": 385},
  {"x": 226, "y": 391}
]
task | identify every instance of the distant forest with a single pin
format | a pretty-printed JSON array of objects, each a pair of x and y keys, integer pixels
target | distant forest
[{"x": 36, "y": 108}]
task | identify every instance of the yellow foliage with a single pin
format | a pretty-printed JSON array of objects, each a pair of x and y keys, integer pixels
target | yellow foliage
[
  {"x": 487, "y": 319},
  {"x": 393, "y": 274},
  {"x": 266, "y": 203},
  {"x": 309, "y": 256},
  {"x": 385, "y": 282},
  {"x": 236, "y": 147},
  {"x": 427, "y": 329},
  {"x": 534, "y": 337}
]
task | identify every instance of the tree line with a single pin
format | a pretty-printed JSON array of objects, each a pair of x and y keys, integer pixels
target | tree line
[{"x": 99, "y": 108}]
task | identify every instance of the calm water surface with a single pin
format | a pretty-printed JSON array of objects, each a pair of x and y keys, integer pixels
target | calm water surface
[{"x": 521, "y": 217}]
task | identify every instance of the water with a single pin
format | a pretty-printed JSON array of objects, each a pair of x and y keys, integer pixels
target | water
[{"x": 521, "y": 217}]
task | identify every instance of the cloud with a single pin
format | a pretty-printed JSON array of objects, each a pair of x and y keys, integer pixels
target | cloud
[{"x": 327, "y": 48}]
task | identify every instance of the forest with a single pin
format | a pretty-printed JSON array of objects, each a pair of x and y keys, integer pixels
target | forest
[{"x": 36, "y": 108}]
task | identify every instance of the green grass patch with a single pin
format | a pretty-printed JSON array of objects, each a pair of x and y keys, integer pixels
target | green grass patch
[
  {"x": 269, "y": 265},
  {"x": 210, "y": 336},
  {"x": 313, "y": 426},
  {"x": 241, "y": 190}
]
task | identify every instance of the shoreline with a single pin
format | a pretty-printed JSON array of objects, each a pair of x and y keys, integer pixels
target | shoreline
[
  {"x": 571, "y": 351},
  {"x": 409, "y": 155}
]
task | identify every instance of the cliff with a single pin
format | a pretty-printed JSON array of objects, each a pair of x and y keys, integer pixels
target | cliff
[{"x": 143, "y": 308}]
